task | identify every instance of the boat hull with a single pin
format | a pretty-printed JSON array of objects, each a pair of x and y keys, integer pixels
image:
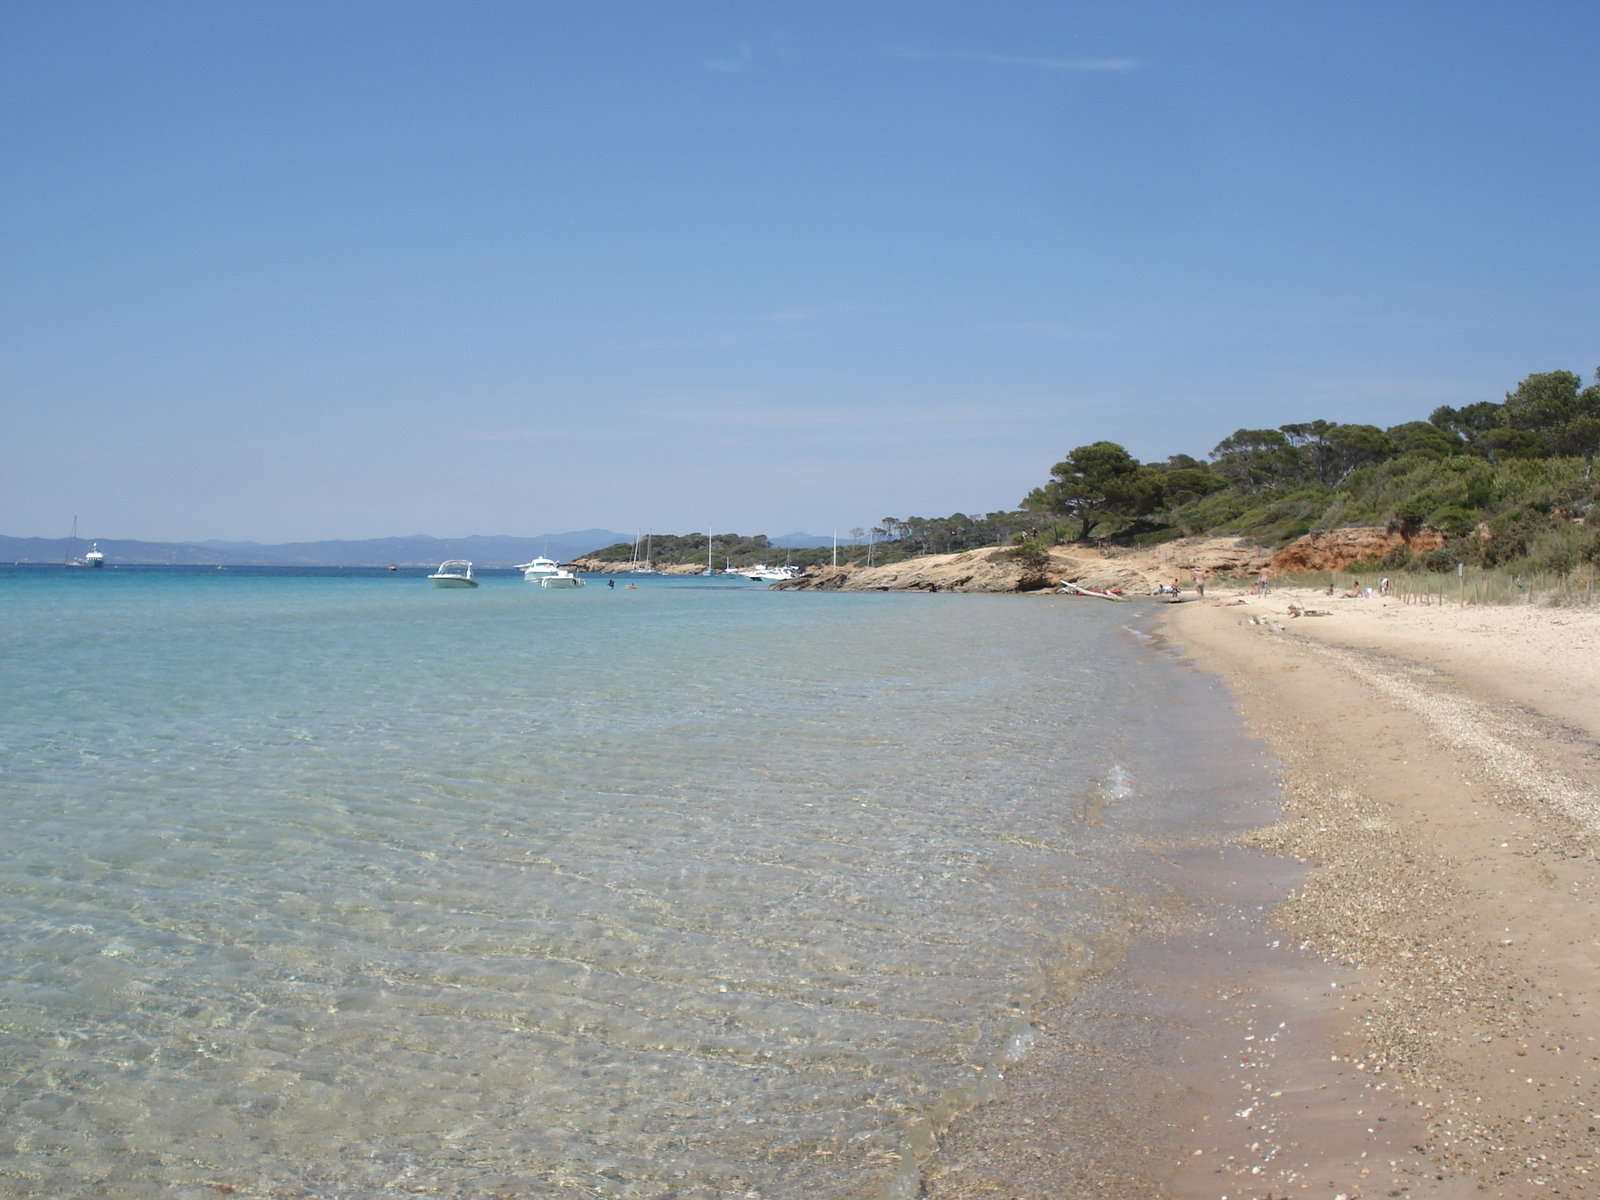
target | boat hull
[{"x": 453, "y": 582}]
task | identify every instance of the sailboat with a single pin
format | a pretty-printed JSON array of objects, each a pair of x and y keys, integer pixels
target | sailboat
[
  {"x": 72, "y": 559},
  {"x": 644, "y": 566}
]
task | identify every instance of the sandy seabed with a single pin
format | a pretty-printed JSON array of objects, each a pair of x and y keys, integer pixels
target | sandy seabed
[{"x": 1391, "y": 990}]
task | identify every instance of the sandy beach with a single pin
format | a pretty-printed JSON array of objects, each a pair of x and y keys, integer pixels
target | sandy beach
[{"x": 1391, "y": 989}]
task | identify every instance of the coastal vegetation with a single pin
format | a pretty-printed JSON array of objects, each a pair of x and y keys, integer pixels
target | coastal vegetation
[
  {"x": 1510, "y": 484},
  {"x": 892, "y": 540}
]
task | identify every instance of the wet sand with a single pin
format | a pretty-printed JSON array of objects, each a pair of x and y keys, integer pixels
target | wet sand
[{"x": 1391, "y": 990}]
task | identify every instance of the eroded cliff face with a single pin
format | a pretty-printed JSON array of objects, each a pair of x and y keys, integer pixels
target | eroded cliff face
[
  {"x": 1335, "y": 549},
  {"x": 992, "y": 570}
]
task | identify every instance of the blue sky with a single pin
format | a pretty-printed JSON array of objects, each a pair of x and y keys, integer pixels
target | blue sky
[{"x": 308, "y": 270}]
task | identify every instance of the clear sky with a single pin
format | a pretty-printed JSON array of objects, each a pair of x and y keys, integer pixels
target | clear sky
[{"x": 282, "y": 270}]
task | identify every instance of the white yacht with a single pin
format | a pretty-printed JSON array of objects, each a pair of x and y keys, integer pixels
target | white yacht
[
  {"x": 775, "y": 574},
  {"x": 559, "y": 579},
  {"x": 762, "y": 573},
  {"x": 454, "y": 572},
  {"x": 94, "y": 558},
  {"x": 539, "y": 569}
]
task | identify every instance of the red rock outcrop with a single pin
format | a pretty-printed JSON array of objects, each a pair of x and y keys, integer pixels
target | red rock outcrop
[{"x": 1335, "y": 549}]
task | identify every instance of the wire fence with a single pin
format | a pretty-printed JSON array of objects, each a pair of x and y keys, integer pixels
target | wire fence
[{"x": 1468, "y": 585}]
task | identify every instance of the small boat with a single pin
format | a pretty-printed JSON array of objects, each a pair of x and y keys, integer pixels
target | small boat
[
  {"x": 539, "y": 569},
  {"x": 454, "y": 572},
  {"x": 1073, "y": 589},
  {"x": 765, "y": 574},
  {"x": 560, "y": 579}
]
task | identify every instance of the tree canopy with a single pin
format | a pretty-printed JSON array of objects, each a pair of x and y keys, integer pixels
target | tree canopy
[
  {"x": 1455, "y": 469},
  {"x": 1096, "y": 483}
]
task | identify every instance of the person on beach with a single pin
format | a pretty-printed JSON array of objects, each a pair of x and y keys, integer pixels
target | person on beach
[
  {"x": 1383, "y": 586},
  {"x": 1200, "y": 582},
  {"x": 1266, "y": 576}
]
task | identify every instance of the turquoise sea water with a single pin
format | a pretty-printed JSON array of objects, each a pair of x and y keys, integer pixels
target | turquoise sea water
[{"x": 357, "y": 887}]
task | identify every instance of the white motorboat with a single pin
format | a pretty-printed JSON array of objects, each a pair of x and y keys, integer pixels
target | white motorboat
[
  {"x": 540, "y": 568},
  {"x": 94, "y": 558},
  {"x": 454, "y": 572},
  {"x": 773, "y": 574},
  {"x": 560, "y": 579},
  {"x": 761, "y": 573}
]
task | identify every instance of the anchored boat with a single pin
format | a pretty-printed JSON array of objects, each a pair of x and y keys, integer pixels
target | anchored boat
[
  {"x": 455, "y": 573},
  {"x": 539, "y": 569}
]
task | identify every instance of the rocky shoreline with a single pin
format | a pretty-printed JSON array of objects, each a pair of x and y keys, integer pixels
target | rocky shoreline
[
  {"x": 992, "y": 569},
  {"x": 1128, "y": 569},
  {"x": 1134, "y": 570}
]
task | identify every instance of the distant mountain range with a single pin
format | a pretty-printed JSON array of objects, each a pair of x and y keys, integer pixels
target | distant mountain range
[{"x": 417, "y": 551}]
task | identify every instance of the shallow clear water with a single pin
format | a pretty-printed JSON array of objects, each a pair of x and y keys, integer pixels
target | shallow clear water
[{"x": 352, "y": 886}]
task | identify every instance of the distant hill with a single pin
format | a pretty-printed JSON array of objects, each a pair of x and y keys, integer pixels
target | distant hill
[
  {"x": 416, "y": 551},
  {"x": 800, "y": 541}
]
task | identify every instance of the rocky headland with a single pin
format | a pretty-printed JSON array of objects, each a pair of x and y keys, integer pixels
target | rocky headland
[
  {"x": 1129, "y": 569},
  {"x": 994, "y": 570}
]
